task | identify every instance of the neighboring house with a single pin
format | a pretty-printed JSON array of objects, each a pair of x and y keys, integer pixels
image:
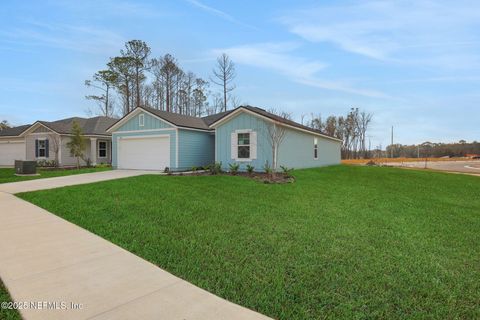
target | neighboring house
[
  {"x": 48, "y": 141},
  {"x": 151, "y": 139}
]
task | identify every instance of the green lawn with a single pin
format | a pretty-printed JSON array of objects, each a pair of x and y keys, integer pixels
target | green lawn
[
  {"x": 343, "y": 242},
  {"x": 8, "y": 174},
  {"x": 7, "y": 314}
]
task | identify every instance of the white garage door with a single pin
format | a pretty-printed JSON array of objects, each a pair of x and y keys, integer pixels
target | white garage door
[
  {"x": 144, "y": 153},
  {"x": 9, "y": 152}
]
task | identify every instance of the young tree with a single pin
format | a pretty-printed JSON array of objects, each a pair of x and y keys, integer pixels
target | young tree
[
  {"x": 275, "y": 135},
  {"x": 77, "y": 144},
  {"x": 138, "y": 52},
  {"x": 223, "y": 75},
  {"x": 54, "y": 145},
  {"x": 103, "y": 80}
]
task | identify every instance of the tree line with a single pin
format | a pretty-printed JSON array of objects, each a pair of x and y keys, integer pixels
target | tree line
[
  {"x": 134, "y": 78},
  {"x": 351, "y": 129},
  {"x": 435, "y": 150}
]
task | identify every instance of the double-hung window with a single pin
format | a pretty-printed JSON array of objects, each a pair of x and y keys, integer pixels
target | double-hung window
[
  {"x": 102, "y": 149},
  {"x": 42, "y": 148},
  {"x": 315, "y": 148},
  {"x": 243, "y": 145}
]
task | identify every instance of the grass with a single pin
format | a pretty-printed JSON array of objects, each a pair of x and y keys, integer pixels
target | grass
[
  {"x": 7, "y": 314},
  {"x": 8, "y": 174},
  {"x": 343, "y": 242}
]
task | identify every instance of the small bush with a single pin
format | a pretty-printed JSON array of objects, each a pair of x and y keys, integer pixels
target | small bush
[
  {"x": 46, "y": 163},
  {"x": 215, "y": 168},
  {"x": 194, "y": 168},
  {"x": 287, "y": 172},
  {"x": 267, "y": 168},
  {"x": 166, "y": 170},
  {"x": 250, "y": 169},
  {"x": 234, "y": 168}
]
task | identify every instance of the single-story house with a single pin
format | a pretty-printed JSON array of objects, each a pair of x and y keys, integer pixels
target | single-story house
[
  {"x": 151, "y": 139},
  {"x": 47, "y": 141}
]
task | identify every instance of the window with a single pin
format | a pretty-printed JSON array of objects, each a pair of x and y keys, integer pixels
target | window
[
  {"x": 41, "y": 148},
  {"x": 141, "y": 120},
  {"x": 315, "y": 148},
  {"x": 102, "y": 149},
  {"x": 243, "y": 145}
]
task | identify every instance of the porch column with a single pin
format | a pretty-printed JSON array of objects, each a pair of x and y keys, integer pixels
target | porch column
[{"x": 93, "y": 151}]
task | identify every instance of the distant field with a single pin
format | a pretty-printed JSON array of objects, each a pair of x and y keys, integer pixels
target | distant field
[{"x": 388, "y": 160}]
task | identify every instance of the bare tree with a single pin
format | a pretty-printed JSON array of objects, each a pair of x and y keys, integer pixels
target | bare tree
[
  {"x": 4, "y": 125},
  {"x": 223, "y": 75},
  {"x": 55, "y": 145},
  {"x": 275, "y": 134}
]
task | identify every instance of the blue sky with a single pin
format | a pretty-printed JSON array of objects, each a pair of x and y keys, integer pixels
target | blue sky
[{"x": 413, "y": 64}]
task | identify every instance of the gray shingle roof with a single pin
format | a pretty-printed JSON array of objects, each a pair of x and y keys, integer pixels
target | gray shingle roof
[
  {"x": 12, "y": 132},
  {"x": 90, "y": 126},
  {"x": 205, "y": 122},
  {"x": 180, "y": 119}
]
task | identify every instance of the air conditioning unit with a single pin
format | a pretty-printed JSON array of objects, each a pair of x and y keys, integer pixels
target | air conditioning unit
[{"x": 25, "y": 167}]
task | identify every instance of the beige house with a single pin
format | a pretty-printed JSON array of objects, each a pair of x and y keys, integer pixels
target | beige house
[{"x": 48, "y": 141}]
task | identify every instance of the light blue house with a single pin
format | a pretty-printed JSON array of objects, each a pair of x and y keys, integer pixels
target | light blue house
[{"x": 151, "y": 139}]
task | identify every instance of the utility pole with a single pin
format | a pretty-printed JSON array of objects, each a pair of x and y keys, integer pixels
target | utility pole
[{"x": 391, "y": 146}]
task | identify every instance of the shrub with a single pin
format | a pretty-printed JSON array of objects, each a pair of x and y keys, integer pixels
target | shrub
[
  {"x": 250, "y": 169},
  {"x": 46, "y": 163},
  {"x": 215, "y": 168},
  {"x": 234, "y": 168},
  {"x": 166, "y": 170},
  {"x": 267, "y": 168},
  {"x": 194, "y": 168},
  {"x": 287, "y": 172}
]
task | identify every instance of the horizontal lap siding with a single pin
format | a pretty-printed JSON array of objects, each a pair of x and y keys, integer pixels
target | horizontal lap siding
[
  {"x": 223, "y": 142},
  {"x": 195, "y": 149},
  {"x": 150, "y": 124},
  {"x": 296, "y": 150}
]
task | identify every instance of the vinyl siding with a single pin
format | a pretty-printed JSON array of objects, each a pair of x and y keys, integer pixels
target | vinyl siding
[
  {"x": 296, "y": 150},
  {"x": 195, "y": 149},
  {"x": 240, "y": 122},
  {"x": 150, "y": 122}
]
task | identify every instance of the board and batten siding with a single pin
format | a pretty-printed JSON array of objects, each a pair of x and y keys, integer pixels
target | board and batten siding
[
  {"x": 195, "y": 149},
  {"x": 243, "y": 121},
  {"x": 296, "y": 150},
  {"x": 152, "y": 126}
]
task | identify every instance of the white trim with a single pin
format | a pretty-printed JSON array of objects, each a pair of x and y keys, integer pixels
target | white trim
[
  {"x": 216, "y": 157},
  {"x": 176, "y": 148},
  {"x": 141, "y": 120},
  {"x": 144, "y": 130},
  {"x": 10, "y": 142},
  {"x": 133, "y": 114},
  {"x": 34, "y": 126},
  {"x": 241, "y": 109},
  {"x": 237, "y": 132},
  {"x": 98, "y": 149},
  {"x": 143, "y": 137}
]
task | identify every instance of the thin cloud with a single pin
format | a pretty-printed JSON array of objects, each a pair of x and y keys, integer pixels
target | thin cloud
[
  {"x": 422, "y": 31},
  {"x": 218, "y": 13},
  {"x": 278, "y": 57}
]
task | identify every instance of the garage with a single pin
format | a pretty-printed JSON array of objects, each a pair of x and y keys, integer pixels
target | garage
[
  {"x": 11, "y": 150},
  {"x": 144, "y": 152}
]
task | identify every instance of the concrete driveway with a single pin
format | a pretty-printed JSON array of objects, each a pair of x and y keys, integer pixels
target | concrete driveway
[
  {"x": 57, "y": 182},
  {"x": 65, "y": 272}
]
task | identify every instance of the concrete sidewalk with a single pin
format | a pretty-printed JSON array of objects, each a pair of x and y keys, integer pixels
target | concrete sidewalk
[
  {"x": 57, "y": 182},
  {"x": 45, "y": 258}
]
